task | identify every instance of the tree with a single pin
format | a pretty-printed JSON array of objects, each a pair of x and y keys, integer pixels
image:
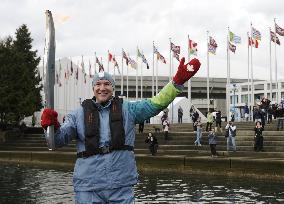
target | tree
[
  {"x": 6, "y": 69},
  {"x": 22, "y": 82}
]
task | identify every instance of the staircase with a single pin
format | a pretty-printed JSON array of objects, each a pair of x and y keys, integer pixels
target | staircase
[{"x": 181, "y": 142}]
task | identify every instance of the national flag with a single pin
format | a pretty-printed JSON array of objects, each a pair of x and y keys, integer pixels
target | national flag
[
  {"x": 132, "y": 63},
  {"x": 57, "y": 77},
  {"x": 273, "y": 36},
  {"x": 109, "y": 57},
  {"x": 68, "y": 72},
  {"x": 176, "y": 55},
  {"x": 212, "y": 42},
  {"x": 101, "y": 67},
  {"x": 176, "y": 51},
  {"x": 82, "y": 65},
  {"x": 192, "y": 46},
  {"x": 232, "y": 47},
  {"x": 212, "y": 45},
  {"x": 115, "y": 64},
  {"x": 279, "y": 30},
  {"x": 59, "y": 74},
  {"x": 124, "y": 55},
  {"x": 71, "y": 67},
  {"x": 77, "y": 74},
  {"x": 90, "y": 69},
  {"x": 253, "y": 42},
  {"x": 145, "y": 61},
  {"x": 155, "y": 50},
  {"x": 161, "y": 58},
  {"x": 234, "y": 38},
  {"x": 256, "y": 34},
  {"x": 175, "y": 48},
  {"x": 85, "y": 77},
  {"x": 139, "y": 53},
  {"x": 212, "y": 49}
]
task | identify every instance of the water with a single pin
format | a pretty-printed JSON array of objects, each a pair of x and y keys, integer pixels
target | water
[{"x": 33, "y": 185}]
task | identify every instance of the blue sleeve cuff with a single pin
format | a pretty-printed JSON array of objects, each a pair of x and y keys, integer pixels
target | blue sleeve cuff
[{"x": 177, "y": 86}]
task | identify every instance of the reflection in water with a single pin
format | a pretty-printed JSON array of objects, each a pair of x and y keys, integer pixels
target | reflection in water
[{"x": 36, "y": 185}]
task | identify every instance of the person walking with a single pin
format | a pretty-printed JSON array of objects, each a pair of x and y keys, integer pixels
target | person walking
[
  {"x": 230, "y": 135},
  {"x": 258, "y": 138},
  {"x": 198, "y": 125},
  {"x": 210, "y": 120},
  {"x": 104, "y": 129},
  {"x": 194, "y": 117},
  {"x": 180, "y": 114}
]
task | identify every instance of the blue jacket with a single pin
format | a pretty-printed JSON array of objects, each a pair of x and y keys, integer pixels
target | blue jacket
[
  {"x": 118, "y": 168},
  {"x": 212, "y": 138}
]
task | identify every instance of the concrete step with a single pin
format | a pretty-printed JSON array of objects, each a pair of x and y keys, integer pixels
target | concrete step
[
  {"x": 238, "y": 153},
  {"x": 162, "y": 147},
  {"x": 220, "y": 147},
  {"x": 189, "y": 153},
  {"x": 35, "y": 149},
  {"x": 269, "y": 140}
]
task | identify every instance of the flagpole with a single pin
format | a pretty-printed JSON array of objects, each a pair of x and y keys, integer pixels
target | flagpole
[
  {"x": 153, "y": 71},
  {"x": 75, "y": 85},
  {"x": 276, "y": 78},
  {"x": 114, "y": 79},
  {"x": 189, "y": 81},
  {"x": 127, "y": 80},
  {"x": 137, "y": 75},
  {"x": 141, "y": 80},
  {"x": 249, "y": 104},
  {"x": 121, "y": 76},
  {"x": 228, "y": 77},
  {"x": 170, "y": 74},
  {"x": 170, "y": 71},
  {"x": 95, "y": 63},
  {"x": 270, "y": 67},
  {"x": 157, "y": 88},
  {"x": 108, "y": 61},
  {"x": 208, "y": 102},
  {"x": 252, "y": 82}
]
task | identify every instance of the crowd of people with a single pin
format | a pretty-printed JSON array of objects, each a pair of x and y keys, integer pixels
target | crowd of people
[{"x": 263, "y": 113}]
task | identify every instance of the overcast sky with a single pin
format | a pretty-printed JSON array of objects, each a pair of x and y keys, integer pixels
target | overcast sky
[{"x": 87, "y": 26}]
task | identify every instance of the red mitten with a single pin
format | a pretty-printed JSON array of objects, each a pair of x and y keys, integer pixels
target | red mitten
[
  {"x": 186, "y": 71},
  {"x": 48, "y": 118}
]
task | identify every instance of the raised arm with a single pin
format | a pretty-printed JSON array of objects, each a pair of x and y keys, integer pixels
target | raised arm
[{"x": 145, "y": 109}]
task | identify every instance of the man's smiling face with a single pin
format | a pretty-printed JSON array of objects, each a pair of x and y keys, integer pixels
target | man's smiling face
[{"x": 103, "y": 91}]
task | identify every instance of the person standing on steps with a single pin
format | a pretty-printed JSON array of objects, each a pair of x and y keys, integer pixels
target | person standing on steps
[
  {"x": 258, "y": 138},
  {"x": 180, "y": 114},
  {"x": 210, "y": 120},
  {"x": 153, "y": 143},
  {"x": 212, "y": 140},
  {"x": 104, "y": 130},
  {"x": 198, "y": 125},
  {"x": 230, "y": 135},
  {"x": 166, "y": 126}
]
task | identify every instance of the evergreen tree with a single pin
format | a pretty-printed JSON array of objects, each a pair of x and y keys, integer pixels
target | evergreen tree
[
  {"x": 7, "y": 58},
  {"x": 20, "y": 77},
  {"x": 29, "y": 97}
]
